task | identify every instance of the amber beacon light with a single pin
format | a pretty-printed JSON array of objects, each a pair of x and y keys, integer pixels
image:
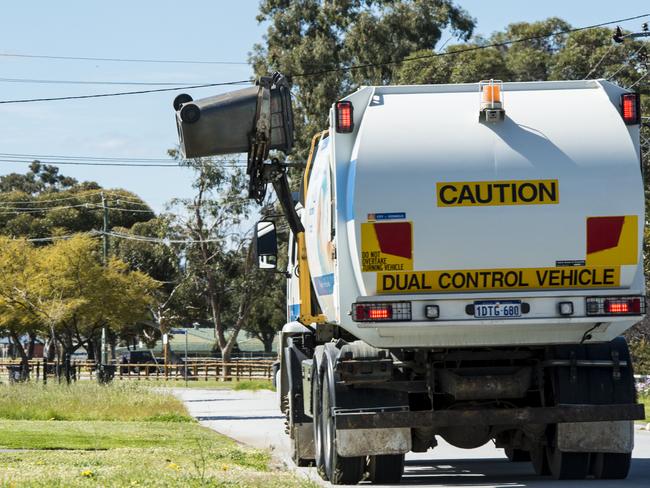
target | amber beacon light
[{"x": 491, "y": 92}]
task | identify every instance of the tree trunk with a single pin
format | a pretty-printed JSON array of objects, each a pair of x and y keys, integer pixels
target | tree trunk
[
  {"x": 226, "y": 357},
  {"x": 30, "y": 347},
  {"x": 90, "y": 350},
  {"x": 268, "y": 342},
  {"x": 49, "y": 349},
  {"x": 24, "y": 360}
]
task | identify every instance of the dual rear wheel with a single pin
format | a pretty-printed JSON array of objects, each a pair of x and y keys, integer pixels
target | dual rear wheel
[
  {"x": 578, "y": 465},
  {"x": 337, "y": 469}
]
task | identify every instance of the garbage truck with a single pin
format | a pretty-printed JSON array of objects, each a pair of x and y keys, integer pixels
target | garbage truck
[{"x": 462, "y": 262}]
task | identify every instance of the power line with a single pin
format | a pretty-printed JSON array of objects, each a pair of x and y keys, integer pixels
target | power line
[
  {"x": 81, "y": 163},
  {"x": 609, "y": 49},
  {"x": 85, "y": 194},
  {"x": 339, "y": 68},
  {"x": 123, "y": 159},
  {"x": 59, "y": 238},
  {"x": 469, "y": 49},
  {"x": 38, "y": 210},
  {"x": 119, "y": 94},
  {"x": 136, "y": 165},
  {"x": 121, "y": 60},
  {"x": 86, "y": 158},
  {"x": 159, "y": 240},
  {"x": 624, "y": 65},
  {"x": 90, "y": 82},
  {"x": 637, "y": 81}
]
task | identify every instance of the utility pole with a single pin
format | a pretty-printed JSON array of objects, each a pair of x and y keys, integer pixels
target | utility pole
[
  {"x": 104, "y": 355},
  {"x": 105, "y": 229}
]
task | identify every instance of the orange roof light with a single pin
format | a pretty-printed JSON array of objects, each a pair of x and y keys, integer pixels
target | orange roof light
[
  {"x": 491, "y": 94},
  {"x": 491, "y": 109}
]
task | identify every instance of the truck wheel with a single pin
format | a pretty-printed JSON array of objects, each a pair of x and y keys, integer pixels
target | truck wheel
[
  {"x": 385, "y": 469},
  {"x": 318, "y": 423},
  {"x": 605, "y": 389},
  {"x": 517, "y": 455},
  {"x": 611, "y": 465},
  {"x": 340, "y": 470},
  {"x": 540, "y": 461},
  {"x": 567, "y": 465}
]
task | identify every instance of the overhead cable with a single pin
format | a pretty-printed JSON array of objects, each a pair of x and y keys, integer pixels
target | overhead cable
[
  {"x": 119, "y": 94},
  {"x": 468, "y": 49},
  {"x": 97, "y": 163},
  {"x": 639, "y": 80},
  {"x": 121, "y": 60},
  {"x": 81, "y": 195},
  {"x": 342, "y": 68},
  {"x": 98, "y": 82}
]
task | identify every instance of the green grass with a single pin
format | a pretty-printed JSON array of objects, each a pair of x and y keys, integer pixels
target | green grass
[
  {"x": 126, "y": 454},
  {"x": 43, "y": 434},
  {"x": 122, "y": 435},
  {"x": 216, "y": 385},
  {"x": 86, "y": 400}
]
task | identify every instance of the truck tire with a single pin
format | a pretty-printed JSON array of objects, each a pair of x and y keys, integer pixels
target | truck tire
[
  {"x": 604, "y": 389},
  {"x": 318, "y": 423},
  {"x": 610, "y": 465},
  {"x": 339, "y": 470},
  {"x": 387, "y": 469},
  {"x": 517, "y": 455},
  {"x": 540, "y": 461},
  {"x": 567, "y": 465}
]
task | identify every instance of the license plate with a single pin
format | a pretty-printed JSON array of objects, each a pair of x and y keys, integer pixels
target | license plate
[{"x": 497, "y": 309}]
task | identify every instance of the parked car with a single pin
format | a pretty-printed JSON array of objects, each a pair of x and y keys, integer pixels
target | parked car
[{"x": 138, "y": 357}]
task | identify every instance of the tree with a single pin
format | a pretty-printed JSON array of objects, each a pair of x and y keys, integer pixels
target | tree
[
  {"x": 63, "y": 292},
  {"x": 18, "y": 314},
  {"x": 43, "y": 203},
  {"x": 40, "y": 177},
  {"x": 269, "y": 311},
  {"x": 219, "y": 265},
  {"x": 319, "y": 37},
  {"x": 95, "y": 295},
  {"x": 577, "y": 55}
]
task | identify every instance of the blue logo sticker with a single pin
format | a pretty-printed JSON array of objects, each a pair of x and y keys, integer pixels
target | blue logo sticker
[{"x": 387, "y": 216}]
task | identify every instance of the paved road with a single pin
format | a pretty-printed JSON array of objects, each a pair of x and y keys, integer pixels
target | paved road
[{"x": 252, "y": 418}]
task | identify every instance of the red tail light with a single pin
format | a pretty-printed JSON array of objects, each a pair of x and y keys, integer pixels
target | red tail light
[
  {"x": 381, "y": 312},
  {"x": 616, "y": 306},
  {"x": 631, "y": 108},
  {"x": 344, "y": 117}
]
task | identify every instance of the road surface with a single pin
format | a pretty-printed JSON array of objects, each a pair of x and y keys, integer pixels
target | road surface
[{"x": 253, "y": 418}]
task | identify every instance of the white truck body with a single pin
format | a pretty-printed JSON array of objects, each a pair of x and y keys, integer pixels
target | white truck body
[
  {"x": 455, "y": 270},
  {"x": 520, "y": 209}
]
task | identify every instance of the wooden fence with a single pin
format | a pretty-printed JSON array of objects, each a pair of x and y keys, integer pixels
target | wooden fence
[{"x": 197, "y": 370}]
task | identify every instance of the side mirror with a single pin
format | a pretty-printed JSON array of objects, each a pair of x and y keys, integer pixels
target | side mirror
[{"x": 266, "y": 245}]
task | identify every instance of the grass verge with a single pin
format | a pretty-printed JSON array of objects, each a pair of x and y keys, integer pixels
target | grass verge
[
  {"x": 216, "y": 385},
  {"x": 86, "y": 400},
  {"x": 121, "y": 454},
  {"x": 122, "y": 435}
]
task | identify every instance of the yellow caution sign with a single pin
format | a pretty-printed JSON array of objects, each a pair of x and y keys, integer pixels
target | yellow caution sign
[
  {"x": 499, "y": 279},
  {"x": 488, "y": 193}
]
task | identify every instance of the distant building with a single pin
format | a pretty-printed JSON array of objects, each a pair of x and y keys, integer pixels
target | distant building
[
  {"x": 201, "y": 342},
  {"x": 8, "y": 348}
]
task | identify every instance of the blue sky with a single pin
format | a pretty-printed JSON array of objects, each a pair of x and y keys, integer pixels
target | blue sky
[{"x": 143, "y": 126}]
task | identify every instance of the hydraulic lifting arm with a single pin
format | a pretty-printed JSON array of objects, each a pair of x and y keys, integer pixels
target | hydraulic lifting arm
[{"x": 275, "y": 172}]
